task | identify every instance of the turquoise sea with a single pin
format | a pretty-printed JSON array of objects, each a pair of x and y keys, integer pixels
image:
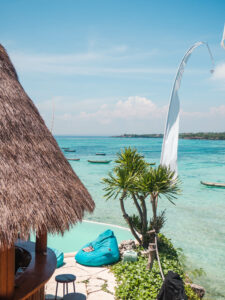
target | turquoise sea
[{"x": 197, "y": 222}]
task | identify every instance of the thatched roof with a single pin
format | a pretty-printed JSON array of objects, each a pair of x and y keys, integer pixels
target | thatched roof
[{"x": 37, "y": 185}]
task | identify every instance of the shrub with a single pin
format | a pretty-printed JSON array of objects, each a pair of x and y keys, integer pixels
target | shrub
[{"x": 137, "y": 283}]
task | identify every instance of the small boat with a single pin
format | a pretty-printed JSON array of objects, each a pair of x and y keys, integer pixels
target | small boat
[
  {"x": 213, "y": 184},
  {"x": 99, "y": 161},
  {"x": 100, "y": 153},
  {"x": 74, "y": 159},
  {"x": 151, "y": 164},
  {"x": 69, "y": 150},
  {"x": 65, "y": 148}
]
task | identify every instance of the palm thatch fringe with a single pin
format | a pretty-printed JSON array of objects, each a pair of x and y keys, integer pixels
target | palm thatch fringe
[{"x": 37, "y": 185}]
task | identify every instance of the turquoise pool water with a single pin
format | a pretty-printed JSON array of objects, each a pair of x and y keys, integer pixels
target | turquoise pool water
[
  {"x": 197, "y": 222},
  {"x": 83, "y": 233}
]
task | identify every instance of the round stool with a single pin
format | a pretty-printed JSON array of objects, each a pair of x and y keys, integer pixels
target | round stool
[
  {"x": 64, "y": 279},
  {"x": 75, "y": 296},
  {"x": 70, "y": 296}
]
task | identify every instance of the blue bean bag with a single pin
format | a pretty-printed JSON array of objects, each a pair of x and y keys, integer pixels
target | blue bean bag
[
  {"x": 59, "y": 256},
  {"x": 105, "y": 251}
]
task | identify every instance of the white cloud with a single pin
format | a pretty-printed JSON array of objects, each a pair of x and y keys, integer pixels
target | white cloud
[
  {"x": 65, "y": 104},
  {"x": 217, "y": 110},
  {"x": 214, "y": 111},
  {"x": 219, "y": 73},
  {"x": 135, "y": 114},
  {"x": 66, "y": 117},
  {"x": 134, "y": 108}
]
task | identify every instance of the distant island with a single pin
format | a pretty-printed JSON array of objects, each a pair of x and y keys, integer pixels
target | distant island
[{"x": 186, "y": 136}]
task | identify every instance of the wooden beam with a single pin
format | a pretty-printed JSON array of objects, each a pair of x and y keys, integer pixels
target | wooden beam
[
  {"x": 41, "y": 241},
  {"x": 151, "y": 256},
  {"x": 7, "y": 273},
  {"x": 41, "y": 248}
]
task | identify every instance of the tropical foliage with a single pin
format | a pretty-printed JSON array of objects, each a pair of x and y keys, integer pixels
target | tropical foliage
[
  {"x": 135, "y": 282},
  {"x": 134, "y": 179}
]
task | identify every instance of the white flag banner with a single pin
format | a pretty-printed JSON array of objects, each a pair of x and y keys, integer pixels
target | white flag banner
[
  {"x": 223, "y": 38},
  {"x": 171, "y": 133}
]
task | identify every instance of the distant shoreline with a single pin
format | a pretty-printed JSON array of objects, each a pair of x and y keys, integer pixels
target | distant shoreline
[{"x": 215, "y": 136}]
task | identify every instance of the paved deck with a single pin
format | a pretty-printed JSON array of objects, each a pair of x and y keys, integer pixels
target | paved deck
[{"x": 92, "y": 283}]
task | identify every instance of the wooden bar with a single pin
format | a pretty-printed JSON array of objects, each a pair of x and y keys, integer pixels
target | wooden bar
[
  {"x": 30, "y": 284},
  {"x": 38, "y": 295},
  {"x": 7, "y": 271}
]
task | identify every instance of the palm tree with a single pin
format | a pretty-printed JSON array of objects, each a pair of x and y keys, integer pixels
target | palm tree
[
  {"x": 132, "y": 178},
  {"x": 157, "y": 182},
  {"x": 120, "y": 183}
]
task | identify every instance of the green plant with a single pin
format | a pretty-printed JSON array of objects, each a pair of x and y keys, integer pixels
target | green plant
[
  {"x": 133, "y": 179},
  {"x": 121, "y": 184},
  {"x": 158, "y": 182},
  {"x": 158, "y": 222},
  {"x": 137, "y": 283}
]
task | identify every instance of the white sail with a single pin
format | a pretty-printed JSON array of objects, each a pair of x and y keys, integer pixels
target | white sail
[
  {"x": 223, "y": 39},
  {"x": 171, "y": 133}
]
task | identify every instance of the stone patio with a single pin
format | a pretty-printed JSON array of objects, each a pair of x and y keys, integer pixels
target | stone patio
[{"x": 92, "y": 283}]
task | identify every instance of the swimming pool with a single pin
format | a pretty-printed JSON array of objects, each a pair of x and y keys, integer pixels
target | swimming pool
[{"x": 82, "y": 233}]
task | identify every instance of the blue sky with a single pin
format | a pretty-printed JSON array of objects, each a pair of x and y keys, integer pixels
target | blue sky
[{"x": 109, "y": 66}]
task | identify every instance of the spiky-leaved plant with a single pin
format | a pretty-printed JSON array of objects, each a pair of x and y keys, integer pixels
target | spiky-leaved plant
[
  {"x": 120, "y": 183},
  {"x": 157, "y": 182},
  {"x": 132, "y": 178}
]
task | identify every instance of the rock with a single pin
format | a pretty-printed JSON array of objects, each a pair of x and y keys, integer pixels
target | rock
[
  {"x": 136, "y": 243},
  {"x": 199, "y": 290},
  {"x": 126, "y": 245}
]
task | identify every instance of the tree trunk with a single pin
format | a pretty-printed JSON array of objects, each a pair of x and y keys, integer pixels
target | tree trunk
[
  {"x": 152, "y": 255},
  {"x": 154, "y": 206},
  {"x": 145, "y": 236},
  {"x": 138, "y": 207},
  {"x": 126, "y": 217}
]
